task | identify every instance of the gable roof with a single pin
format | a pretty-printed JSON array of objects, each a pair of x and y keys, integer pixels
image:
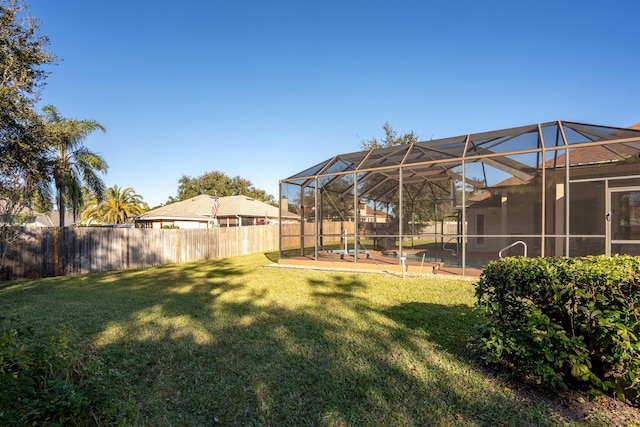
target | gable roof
[{"x": 201, "y": 208}]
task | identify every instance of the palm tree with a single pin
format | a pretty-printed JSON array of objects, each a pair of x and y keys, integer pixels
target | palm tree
[
  {"x": 118, "y": 206},
  {"x": 73, "y": 164}
]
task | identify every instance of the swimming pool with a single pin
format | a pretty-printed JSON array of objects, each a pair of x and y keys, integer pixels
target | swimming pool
[{"x": 451, "y": 261}]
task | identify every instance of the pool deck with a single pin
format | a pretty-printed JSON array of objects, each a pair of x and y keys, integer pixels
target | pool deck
[{"x": 375, "y": 261}]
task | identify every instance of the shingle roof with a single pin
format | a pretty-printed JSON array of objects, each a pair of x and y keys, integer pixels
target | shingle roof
[
  {"x": 45, "y": 219},
  {"x": 52, "y": 219},
  {"x": 370, "y": 211},
  {"x": 201, "y": 207}
]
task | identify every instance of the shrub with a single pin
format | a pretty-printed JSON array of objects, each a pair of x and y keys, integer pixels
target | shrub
[
  {"x": 44, "y": 382},
  {"x": 565, "y": 320}
]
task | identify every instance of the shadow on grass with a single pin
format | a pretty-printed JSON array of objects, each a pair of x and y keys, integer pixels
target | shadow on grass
[
  {"x": 340, "y": 286},
  {"x": 310, "y": 368},
  {"x": 211, "y": 343},
  {"x": 449, "y": 327},
  {"x": 273, "y": 256}
]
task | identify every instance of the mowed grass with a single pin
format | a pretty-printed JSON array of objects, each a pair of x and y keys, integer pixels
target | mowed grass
[{"x": 238, "y": 342}]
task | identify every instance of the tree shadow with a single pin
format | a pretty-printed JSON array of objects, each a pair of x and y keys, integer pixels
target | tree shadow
[
  {"x": 450, "y": 327},
  {"x": 272, "y": 256},
  {"x": 290, "y": 367},
  {"x": 203, "y": 342},
  {"x": 345, "y": 284}
]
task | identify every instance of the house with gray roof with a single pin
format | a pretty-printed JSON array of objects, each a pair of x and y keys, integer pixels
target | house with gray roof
[
  {"x": 205, "y": 211},
  {"x": 52, "y": 219},
  {"x": 26, "y": 216}
]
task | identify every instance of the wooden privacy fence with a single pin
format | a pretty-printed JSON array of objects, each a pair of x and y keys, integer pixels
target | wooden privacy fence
[
  {"x": 45, "y": 252},
  {"x": 331, "y": 232}
]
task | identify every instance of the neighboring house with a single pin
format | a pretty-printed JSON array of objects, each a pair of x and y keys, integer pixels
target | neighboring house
[
  {"x": 30, "y": 218},
  {"x": 21, "y": 216},
  {"x": 52, "y": 219},
  {"x": 198, "y": 212},
  {"x": 290, "y": 214},
  {"x": 365, "y": 213},
  {"x": 368, "y": 214}
]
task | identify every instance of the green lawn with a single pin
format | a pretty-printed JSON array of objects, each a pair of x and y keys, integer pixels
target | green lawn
[{"x": 236, "y": 342}]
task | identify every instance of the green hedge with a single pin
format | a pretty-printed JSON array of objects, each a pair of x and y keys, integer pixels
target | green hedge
[{"x": 565, "y": 320}]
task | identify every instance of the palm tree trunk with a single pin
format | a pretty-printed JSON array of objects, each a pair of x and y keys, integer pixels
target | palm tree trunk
[{"x": 61, "y": 207}]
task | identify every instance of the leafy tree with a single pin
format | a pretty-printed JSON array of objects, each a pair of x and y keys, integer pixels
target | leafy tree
[
  {"x": 391, "y": 139},
  {"x": 429, "y": 200},
  {"x": 41, "y": 203},
  {"x": 74, "y": 165},
  {"x": 218, "y": 183},
  {"x": 23, "y": 54},
  {"x": 118, "y": 206}
]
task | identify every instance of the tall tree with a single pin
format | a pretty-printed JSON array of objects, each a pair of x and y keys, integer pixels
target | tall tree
[
  {"x": 429, "y": 200},
  {"x": 218, "y": 183},
  {"x": 23, "y": 54},
  {"x": 74, "y": 165},
  {"x": 391, "y": 139},
  {"x": 118, "y": 206}
]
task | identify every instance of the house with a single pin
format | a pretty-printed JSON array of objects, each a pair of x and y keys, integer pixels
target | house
[
  {"x": 365, "y": 213},
  {"x": 15, "y": 214},
  {"x": 603, "y": 196},
  {"x": 368, "y": 214},
  {"x": 52, "y": 219},
  {"x": 198, "y": 212},
  {"x": 25, "y": 216}
]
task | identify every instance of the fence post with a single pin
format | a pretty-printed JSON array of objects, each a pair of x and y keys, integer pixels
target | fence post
[{"x": 56, "y": 252}]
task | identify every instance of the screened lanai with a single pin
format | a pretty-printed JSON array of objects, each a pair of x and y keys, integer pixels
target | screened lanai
[{"x": 454, "y": 204}]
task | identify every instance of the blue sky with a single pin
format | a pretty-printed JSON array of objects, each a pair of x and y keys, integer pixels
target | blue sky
[{"x": 265, "y": 89}]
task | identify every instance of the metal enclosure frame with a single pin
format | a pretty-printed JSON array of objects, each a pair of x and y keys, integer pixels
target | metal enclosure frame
[{"x": 547, "y": 185}]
